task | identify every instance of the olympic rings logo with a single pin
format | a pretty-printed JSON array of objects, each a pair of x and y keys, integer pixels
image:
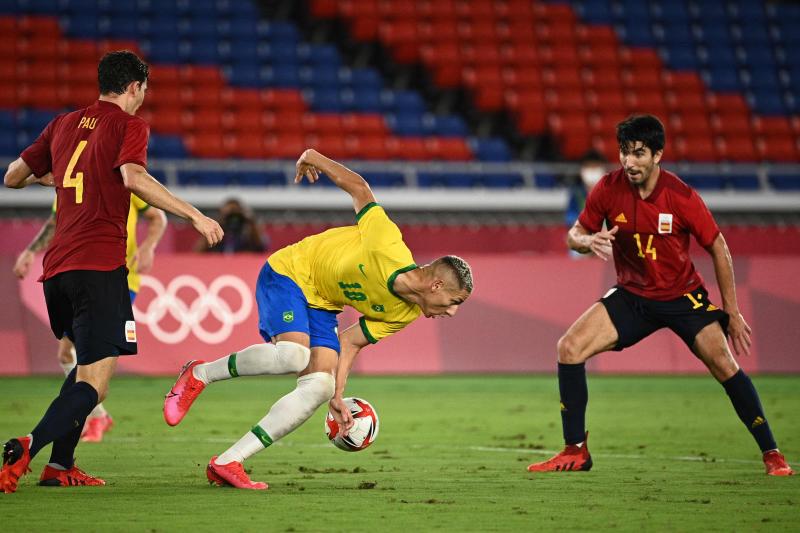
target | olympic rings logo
[{"x": 191, "y": 316}]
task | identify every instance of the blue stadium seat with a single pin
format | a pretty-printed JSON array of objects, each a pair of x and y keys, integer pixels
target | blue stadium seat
[
  {"x": 545, "y": 181},
  {"x": 385, "y": 179},
  {"x": 406, "y": 124},
  {"x": 723, "y": 80},
  {"x": 445, "y": 179},
  {"x": 722, "y": 57},
  {"x": 166, "y": 146},
  {"x": 77, "y": 26},
  {"x": 683, "y": 58},
  {"x": 324, "y": 100},
  {"x": 402, "y": 101},
  {"x": 8, "y": 121},
  {"x": 367, "y": 78},
  {"x": 638, "y": 34},
  {"x": 504, "y": 180},
  {"x": 596, "y": 11},
  {"x": 785, "y": 182},
  {"x": 744, "y": 183},
  {"x": 491, "y": 149},
  {"x": 363, "y": 100},
  {"x": 162, "y": 51},
  {"x": 705, "y": 181},
  {"x": 33, "y": 120},
  {"x": 281, "y": 76},
  {"x": 323, "y": 76},
  {"x": 768, "y": 102},
  {"x": 445, "y": 125},
  {"x": 209, "y": 178},
  {"x": 267, "y": 178},
  {"x": 8, "y": 142}
]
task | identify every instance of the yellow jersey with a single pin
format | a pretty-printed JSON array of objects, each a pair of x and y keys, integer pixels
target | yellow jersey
[
  {"x": 355, "y": 266},
  {"x": 137, "y": 205}
]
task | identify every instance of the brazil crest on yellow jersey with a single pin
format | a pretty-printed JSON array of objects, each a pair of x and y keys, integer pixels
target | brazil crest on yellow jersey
[{"x": 355, "y": 266}]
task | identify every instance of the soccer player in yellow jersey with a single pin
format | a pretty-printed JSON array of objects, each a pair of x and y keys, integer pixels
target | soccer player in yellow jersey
[
  {"x": 300, "y": 290},
  {"x": 139, "y": 258}
]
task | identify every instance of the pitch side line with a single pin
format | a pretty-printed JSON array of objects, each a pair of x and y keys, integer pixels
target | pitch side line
[{"x": 490, "y": 449}]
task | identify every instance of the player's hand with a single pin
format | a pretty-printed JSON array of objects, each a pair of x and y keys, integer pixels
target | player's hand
[
  {"x": 143, "y": 259},
  {"x": 739, "y": 332},
  {"x": 209, "y": 229},
  {"x": 23, "y": 264},
  {"x": 303, "y": 167},
  {"x": 341, "y": 414},
  {"x": 47, "y": 180},
  {"x": 601, "y": 241}
]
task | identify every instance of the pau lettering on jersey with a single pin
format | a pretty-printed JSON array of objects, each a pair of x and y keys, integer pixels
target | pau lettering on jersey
[{"x": 87, "y": 123}]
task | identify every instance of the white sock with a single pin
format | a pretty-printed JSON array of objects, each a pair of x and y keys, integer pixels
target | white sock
[
  {"x": 257, "y": 360},
  {"x": 286, "y": 415},
  {"x": 56, "y": 466},
  {"x": 67, "y": 367},
  {"x": 98, "y": 411}
]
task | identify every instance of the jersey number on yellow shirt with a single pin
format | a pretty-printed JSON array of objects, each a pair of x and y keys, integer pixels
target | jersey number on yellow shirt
[{"x": 357, "y": 296}]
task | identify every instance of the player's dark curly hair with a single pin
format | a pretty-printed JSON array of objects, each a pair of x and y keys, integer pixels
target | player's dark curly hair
[
  {"x": 646, "y": 129},
  {"x": 118, "y": 69}
]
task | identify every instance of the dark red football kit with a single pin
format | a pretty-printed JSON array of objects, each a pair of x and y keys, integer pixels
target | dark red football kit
[
  {"x": 651, "y": 247},
  {"x": 84, "y": 150}
]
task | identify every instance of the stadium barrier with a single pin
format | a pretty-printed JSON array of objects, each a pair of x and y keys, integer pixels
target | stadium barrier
[{"x": 202, "y": 306}]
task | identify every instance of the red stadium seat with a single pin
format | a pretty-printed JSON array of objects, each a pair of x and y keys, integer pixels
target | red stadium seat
[
  {"x": 247, "y": 145},
  {"x": 365, "y": 125},
  {"x": 210, "y": 145},
  {"x": 368, "y": 147},
  {"x": 406, "y": 148},
  {"x": 323, "y": 124},
  {"x": 243, "y": 122},
  {"x": 778, "y": 149},
  {"x": 738, "y": 148},
  {"x": 448, "y": 149},
  {"x": 288, "y": 122},
  {"x": 333, "y": 146},
  {"x": 284, "y": 146},
  {"x": 283, "y": 99},
  {"x": 732, "y": 124},
  {"x": 201, "y": 121},
  {"x": 696, "y": 148}
]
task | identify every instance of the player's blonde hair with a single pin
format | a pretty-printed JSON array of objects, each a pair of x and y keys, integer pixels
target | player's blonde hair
[{"x": 458, "y": 267}]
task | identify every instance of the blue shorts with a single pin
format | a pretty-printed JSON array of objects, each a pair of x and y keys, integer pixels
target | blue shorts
[{"x": 282, "y": 307}]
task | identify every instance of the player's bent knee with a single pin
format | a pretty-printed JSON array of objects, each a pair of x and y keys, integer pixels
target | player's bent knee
[
  {"x": 317, "y": 386},
  {"x": 568, "y": 351},
  {"x": 294, "y": 357}
]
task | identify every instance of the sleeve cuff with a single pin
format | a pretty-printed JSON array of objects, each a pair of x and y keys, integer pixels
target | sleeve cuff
[
  {"x": 365, "y": 331},
  {"x": 365, "y": 209}
]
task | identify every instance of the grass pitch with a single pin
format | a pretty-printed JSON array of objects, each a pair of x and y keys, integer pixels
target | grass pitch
[{"x": 669, "y": 455}]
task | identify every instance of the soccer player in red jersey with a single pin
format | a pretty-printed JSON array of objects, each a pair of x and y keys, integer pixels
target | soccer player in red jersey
[
  {"x": 649, "y": 216},
  {"x": 95, "y": 157}
]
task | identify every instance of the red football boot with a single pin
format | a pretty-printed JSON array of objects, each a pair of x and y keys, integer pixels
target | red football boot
[
  {"x": 16, "y": 461},
  {"x": 74, "y": 477},
  {"x": 232, "y": 474},
  {"x": 776, "y": 464},
  {"x": 574, "y": 458},
  {"x": 185, "y": 391},
  {"x": 96, "y": 427}
]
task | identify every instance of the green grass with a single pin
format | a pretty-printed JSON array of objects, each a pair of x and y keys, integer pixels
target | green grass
[{"x": 669, "y": 454}]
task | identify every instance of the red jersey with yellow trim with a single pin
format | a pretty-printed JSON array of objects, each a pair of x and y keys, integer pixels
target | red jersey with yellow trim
[
  {"x": 84, "y": 150},
  {"x": 651, "y": 249}
]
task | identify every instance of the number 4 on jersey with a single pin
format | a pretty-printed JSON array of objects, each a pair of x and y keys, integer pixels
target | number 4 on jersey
[{"x": 77, "y": 181}]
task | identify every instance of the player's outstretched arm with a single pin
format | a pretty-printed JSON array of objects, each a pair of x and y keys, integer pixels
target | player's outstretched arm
[
  {"x": 19, "y": 175},
  {"x": 582, "y": 241},
  {"x": 146, "y": 187},
  {"x": 313, "y": 162},
  {"x": 156, "y": 225},
  {"x": 738, "y": 329},
  {"x": 39, "y": 243},
  {"x": 351, "y": 340}
]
